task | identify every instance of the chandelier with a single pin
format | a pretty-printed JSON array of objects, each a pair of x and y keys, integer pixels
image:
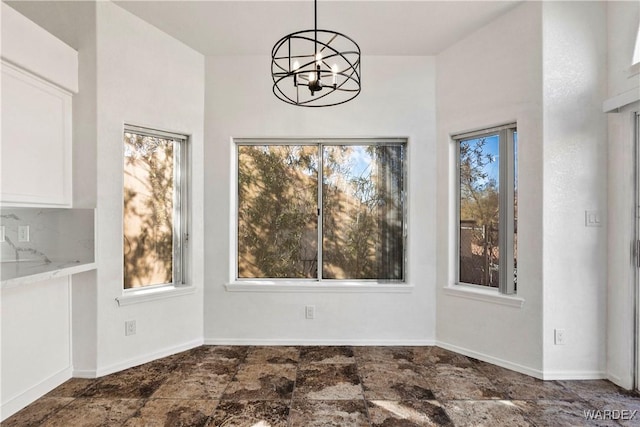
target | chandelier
[{"x": 315, "y": 68}]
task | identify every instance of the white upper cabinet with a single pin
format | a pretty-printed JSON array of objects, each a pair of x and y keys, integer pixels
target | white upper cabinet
[
  {"x": 39, "y": 77},
  {"x": 36, "y": 141}
]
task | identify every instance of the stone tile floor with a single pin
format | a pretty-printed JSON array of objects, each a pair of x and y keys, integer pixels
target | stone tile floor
[{"x": 233, "y": 386}]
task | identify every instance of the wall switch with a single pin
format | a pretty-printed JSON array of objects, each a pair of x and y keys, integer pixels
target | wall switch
[
  {"x": 559, "y": 337},
  {"x": 1, "y": 233},
  {"x": 130, "y": 327},
  {"x": 310, "y": 311},
  {"x": 592, "y": 219},
  {"x": 23, "y": 233}
]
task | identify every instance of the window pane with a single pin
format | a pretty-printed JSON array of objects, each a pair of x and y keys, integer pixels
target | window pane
[
  {"x": 277, "y": 211},
  {"x": 149, "y": 164},
  {"x": 479, "y": 211},
  {"x": 363, "y": 212}
]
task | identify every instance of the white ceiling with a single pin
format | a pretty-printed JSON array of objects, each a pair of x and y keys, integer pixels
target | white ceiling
[{"x": 252, "y": 27}]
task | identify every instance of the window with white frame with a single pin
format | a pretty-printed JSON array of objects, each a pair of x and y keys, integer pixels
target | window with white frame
[
  {"x": 154, "y": 207},
  {"x": 487, "y": 208},
  {"x": 636, "y": 51},
  {"x": 321, "y": 209}
]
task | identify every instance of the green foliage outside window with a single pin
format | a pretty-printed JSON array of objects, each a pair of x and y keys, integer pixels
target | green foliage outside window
[{"x": 362, "y": 211}]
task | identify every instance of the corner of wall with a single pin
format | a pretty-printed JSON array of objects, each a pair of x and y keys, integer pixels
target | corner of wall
[{"x": 574, "y": 180}]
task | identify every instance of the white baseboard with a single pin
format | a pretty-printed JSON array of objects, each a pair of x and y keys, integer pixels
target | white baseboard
[
  {"x": 575, "y": 375},
  {"x": 627, "y": 383},
  {"x": 493, "y": 360},
  {"x": 149, "y": 357},
  {"x": 84, "y": 373},
  {"x": 139, "y": 360},
  {"x": 308, "y": 342},
  {"x": 537, "y": 373},
  {"x": 20, "y": 401}
]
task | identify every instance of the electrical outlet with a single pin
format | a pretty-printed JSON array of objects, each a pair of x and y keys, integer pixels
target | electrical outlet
[
  {"x": 310, "y": 311},
  {"x": 23, "y": 233},
  {"x": 560, "y": 337},
  {"x": 1, "y": 233},
  {"x": 130, "y": 327}
]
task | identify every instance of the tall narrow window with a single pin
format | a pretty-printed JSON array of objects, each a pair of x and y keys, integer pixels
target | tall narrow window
[
  {"x": 636, "y": 51},
  {"x": 321, "y": 211},
  {"x": 154, "y": 214},
  {"x": 487, "y": 208}
]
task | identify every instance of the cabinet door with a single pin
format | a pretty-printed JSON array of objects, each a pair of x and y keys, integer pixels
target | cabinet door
[{"x": 35, "y": 154}]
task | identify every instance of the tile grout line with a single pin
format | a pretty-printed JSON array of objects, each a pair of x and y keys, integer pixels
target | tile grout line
[
  {"x": 295, "y": 382},
  {"x": 364, "y": 397},
  {"x": 73, "y": 399},
  {"x": 237, "y": 369}
]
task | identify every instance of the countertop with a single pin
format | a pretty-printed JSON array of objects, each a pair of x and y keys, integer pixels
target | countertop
[{"x": 14, "y": 273}]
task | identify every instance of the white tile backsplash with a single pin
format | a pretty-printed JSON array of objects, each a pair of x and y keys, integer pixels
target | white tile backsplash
[{"x": 54, "y": 235}]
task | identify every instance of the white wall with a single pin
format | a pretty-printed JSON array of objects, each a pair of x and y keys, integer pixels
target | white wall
[
  {"x": 543, "y": 64},
  {"x": 84, "y": 286},
  {"x": 84, "y": 102},
  {"x": 240, "y": 103},
  {"x": 623, "y": 19},
  {"x": 575, "y": 180},
  {"x": 494, "y": 77},
  {"x": 144, "y": 77}
]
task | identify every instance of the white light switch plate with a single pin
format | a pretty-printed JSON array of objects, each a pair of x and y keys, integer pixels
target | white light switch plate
[{"x": 593, "y": 218}]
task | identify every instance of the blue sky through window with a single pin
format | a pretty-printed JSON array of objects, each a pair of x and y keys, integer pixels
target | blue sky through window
[{"x": 490, "y": 157}]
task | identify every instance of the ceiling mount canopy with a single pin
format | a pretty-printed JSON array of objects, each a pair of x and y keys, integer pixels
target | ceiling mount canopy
[{"x": 315, "y": 68}]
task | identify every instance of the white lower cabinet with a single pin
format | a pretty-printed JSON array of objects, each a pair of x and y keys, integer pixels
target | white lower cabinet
[{"x": 36, "y": 341}]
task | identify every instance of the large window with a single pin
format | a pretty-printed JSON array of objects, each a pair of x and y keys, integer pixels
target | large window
[
  {"x": 488, "y": 208},
  {"x": 321, "y": 210},
  {"x": 154, "y": 215}
]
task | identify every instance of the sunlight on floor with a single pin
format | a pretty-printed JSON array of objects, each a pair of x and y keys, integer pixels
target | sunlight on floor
[{"x": 401, "y": 411}]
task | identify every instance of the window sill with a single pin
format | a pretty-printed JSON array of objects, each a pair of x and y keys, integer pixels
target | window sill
[
  {"x": 146, "y": 295},
  {"x": 486, "y": 295},
  {"x": 332, "y": 287}
]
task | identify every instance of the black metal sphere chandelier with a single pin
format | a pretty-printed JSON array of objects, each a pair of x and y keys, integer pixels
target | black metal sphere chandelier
[{"x": 315, "y": 68}]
